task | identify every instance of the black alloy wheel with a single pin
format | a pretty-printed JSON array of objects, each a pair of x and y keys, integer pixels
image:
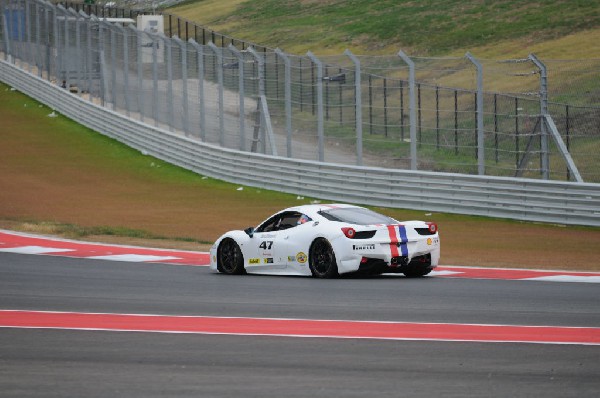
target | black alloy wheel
[
  {"x": 321, "y": 259},
  {"x": 229, "y": 258}
]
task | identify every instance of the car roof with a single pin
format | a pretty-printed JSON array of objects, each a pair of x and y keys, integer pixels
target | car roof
[{"x": 314, "y": 208}]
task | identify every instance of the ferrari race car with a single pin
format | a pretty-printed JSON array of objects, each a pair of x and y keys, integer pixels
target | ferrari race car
[{"x": 328, "y": 240}]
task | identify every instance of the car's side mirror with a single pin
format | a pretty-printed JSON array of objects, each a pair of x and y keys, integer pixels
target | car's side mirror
[{"x": 249, "y": 231}]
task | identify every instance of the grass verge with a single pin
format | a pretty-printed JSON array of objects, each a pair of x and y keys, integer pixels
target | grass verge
[{"x": 59, "y": 178}]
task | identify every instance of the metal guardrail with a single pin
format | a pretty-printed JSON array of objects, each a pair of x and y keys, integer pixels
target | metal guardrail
[{"x": 514, "y": 198}]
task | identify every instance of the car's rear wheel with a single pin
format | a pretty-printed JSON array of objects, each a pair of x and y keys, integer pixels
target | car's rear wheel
[
  {"x": 230, "y": 259},
  {"x": 321, "y": 259}
]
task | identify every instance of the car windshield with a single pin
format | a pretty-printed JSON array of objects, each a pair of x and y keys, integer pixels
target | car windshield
[{"x": 356, "y": 215}]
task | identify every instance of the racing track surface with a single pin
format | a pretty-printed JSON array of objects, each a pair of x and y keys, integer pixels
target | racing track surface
[{"x": 65, "y": 362}]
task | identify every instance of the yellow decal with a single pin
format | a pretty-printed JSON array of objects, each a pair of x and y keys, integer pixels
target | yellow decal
[
  {"x": 301, "y": 257},
  {"x": 429, "y": 241},
  {"x": 254, "y": 261}
]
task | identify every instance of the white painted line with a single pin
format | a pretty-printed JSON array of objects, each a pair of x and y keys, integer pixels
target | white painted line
[
  {"x": 34, "y": 250},
  {"x": 443, "y": 273},
  {"x": 134, "y": 258},
  {"x": 566, "y": 278}
]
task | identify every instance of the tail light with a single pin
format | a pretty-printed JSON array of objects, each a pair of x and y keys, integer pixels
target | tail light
[
  {"x": 433, "y": 228},
  {"x": 349, "y": 232}
]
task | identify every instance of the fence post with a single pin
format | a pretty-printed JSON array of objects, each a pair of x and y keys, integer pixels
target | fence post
[
  {"x": 78, "y": 18},
  {"x": 242, "y": 94},
  {"x": 154, "y": 79},
  {"x": 113, "y": 65},
  {"x": 261, "y": 94},
  {"x": 140, "y": 71},
  {"x": 412, "y": 109},
  {"x": 125, "y": 67},
  {"x": 480, "y": 131},
  {"x": 169, "y": 62},
  {"x": 320, "y": 126},
  {"x": 288, "y": 100},
  {"x": 186, "y": 114},
  {"x": 358, "y": 107},
  {"x": 27, "y": 27},
  {"x": 7, "y": 52},
  {"x": 545, "y": 161},
  {"x": 200, "y": 65},
  {"x": 219, "y": 70}
]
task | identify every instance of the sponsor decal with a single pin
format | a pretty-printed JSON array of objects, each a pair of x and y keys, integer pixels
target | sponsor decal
[
  {"x": 364, "y": 247},
  {"x": 291, "y": 259},
  {"x": 254, "y": 261},
  {"x": 301, "y": 258},
  {"x": 429, "y": 241},
  {"x": 268, "y": 261}
]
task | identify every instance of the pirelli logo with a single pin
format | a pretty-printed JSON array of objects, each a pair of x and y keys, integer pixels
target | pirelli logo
[{"x": 364, "y": 247}]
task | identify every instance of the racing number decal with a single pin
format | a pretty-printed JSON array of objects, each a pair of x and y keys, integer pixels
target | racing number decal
[{"x": 266, "y": 245}]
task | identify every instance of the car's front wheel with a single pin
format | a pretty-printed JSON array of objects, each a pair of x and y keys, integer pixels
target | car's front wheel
[
  {"x": 321, "y": 259},
  {"x": 230, "y": 259}
]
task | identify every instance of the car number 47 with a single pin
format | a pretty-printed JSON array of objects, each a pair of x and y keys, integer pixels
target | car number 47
[{"x": 266, "y": 245}]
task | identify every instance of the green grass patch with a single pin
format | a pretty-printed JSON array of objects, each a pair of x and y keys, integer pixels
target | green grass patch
[{"x": 430, "y": 27}]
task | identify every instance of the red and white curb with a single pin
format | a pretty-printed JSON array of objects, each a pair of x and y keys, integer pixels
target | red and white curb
[
  {"x": 301, "y": 327},
  {"x": 15, "y": 242}
]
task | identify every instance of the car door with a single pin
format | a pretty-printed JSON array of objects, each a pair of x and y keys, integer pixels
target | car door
[{"x": 264, "y": 250}]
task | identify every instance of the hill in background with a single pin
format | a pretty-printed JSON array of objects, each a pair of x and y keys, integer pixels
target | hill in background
[{"x": 494, "y": 29}]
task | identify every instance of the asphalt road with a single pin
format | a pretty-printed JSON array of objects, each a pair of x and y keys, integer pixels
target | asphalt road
[{"x": 44, "y": 362}]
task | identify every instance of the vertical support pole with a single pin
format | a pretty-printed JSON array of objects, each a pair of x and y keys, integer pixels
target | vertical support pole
[
  {"x": 186, "y": 114},
  {"x": 78, "y": 47},
  {"x": 496, "y": 126},
  {"x": 480, "y": 131},
  {"x": 38, "y": 58},
  {"x": 219, "y": 70},
  {"x": 545, "y": 157},
  {"x": 113, "y": 66},
  {"x": 402, "y": 110},
  {"x": 200, "y": 66},
  {"x": 385, "y": 108},
  {"x": 242, "y": 94},
  {"x": 28, "y": 28},
  {"x": 65, "y": 55},
  {"x": 288, "y": 99},
  {"x": 320, "y": 123},
  {"x": 140, "y": 73},
  {"x": 7, "y": 52},
  {"x": 125, "y": 68},
  {"x": 88, "y": 55},
  {"x": 261, "y": 94},
  {"x": 154, "y": 79},
  {"x": 412, "y": 109},
  {"x": 101, "y": 61},
  {"x": 358, "y": 107},
  {"x": 169, "y": 62},
  {"x": 568, "y": 133},
  {"x": 437, "y": 117}
]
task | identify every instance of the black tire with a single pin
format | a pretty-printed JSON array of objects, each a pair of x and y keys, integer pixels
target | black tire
[
  {"x": 321, "y": 259},
  {"x": 230, "y": 259}
]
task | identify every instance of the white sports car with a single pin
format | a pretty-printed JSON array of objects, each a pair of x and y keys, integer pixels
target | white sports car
[{"x": 326, "y": 241}]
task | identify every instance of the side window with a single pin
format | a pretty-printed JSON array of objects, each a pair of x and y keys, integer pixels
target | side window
[
  {"x": 289, "y": 220},
  {"x": 271, "y": 224},
  {"x": 283, "y": 221}
]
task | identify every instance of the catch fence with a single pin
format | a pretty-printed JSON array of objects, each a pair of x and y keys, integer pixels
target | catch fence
[{"x": 461, "y": 115}]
